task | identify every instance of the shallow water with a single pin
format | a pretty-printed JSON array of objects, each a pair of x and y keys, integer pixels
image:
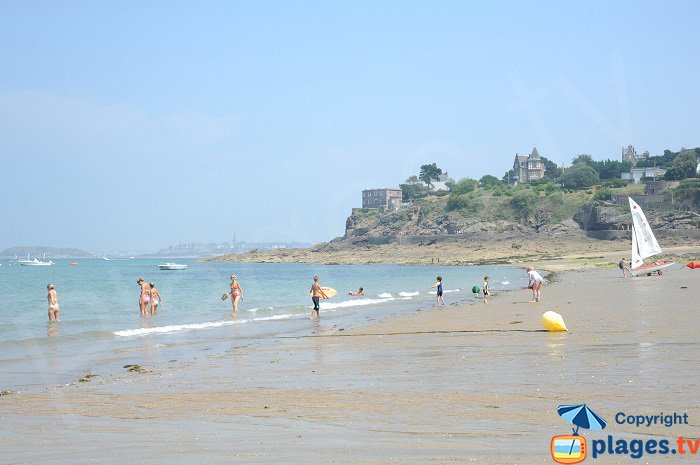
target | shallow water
[{"x": 100, "y": 324}]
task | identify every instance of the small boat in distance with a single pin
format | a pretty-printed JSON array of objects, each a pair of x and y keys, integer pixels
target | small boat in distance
[
  {"x": 172, "y": 266},
  {"x": 35, "y": 262},
  {"x": 644, "y": 244}
]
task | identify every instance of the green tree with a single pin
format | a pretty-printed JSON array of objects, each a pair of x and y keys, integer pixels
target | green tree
[
  {"x": 611, "y": 169},
  {"x": 412, "y": 191},
  {"x": 489, "y": 181},
  {"x": 579, "y": 175},
  {"x": 464, "y": 186},
  {"x": 583, "y": 158},
  {"x": 510, "y": 176},
  {"x": 551, "y": 170},
  {"x": 412, "y": 179},
  {"x": 429, "y": 173},
  {"x": 684, "y": 166}
]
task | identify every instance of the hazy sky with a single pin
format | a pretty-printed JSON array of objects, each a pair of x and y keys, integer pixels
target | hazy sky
[{"x": 134, "y": 125}]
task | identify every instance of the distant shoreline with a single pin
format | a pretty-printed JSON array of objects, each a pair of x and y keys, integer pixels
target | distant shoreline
[{"x": 561, "y": 252}]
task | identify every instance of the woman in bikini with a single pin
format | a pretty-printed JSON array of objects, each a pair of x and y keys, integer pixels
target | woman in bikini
[
  {"x": 145, "y": 297},
  {"x": 236, "y": 293},
  {"x": 53, "y": 302}
]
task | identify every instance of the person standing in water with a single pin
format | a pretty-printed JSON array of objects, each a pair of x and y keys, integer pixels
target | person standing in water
[
  {"x": 439, "y": 300},
  {"x": 316, "y": 295},
  {"x": 144, "y": 297},
  {"x": 485, "y": 289},
  {"x": 236, "y": 293},
  {"x": 535, "y": 283},
  {"x": 155, "y": 299},
  {"x": 53, "y": 302}
]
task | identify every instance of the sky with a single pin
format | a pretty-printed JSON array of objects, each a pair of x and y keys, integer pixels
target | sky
[{"x": 134, "y": 125}]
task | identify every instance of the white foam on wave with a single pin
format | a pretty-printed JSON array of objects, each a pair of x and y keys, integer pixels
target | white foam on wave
[
  {"x": 408, "y": 294},
  {"x": 505, "y": 283},
  {"x": 174, "y": 328},
  {"x": 354, "y": 303},
  {"x": 283, "y": 316},
  {"x": 384, "y": 295}
]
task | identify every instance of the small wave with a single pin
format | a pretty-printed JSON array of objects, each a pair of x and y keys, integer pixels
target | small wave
[
  {"x": 505, "y": 283},
  {"x": 354, "y": 303},
  {"x": 283, "y": 316},
  {"x": 409, "y": 294},
  {"x": 259, "y": 308},
  {"x": 384, "y": 295},
  {"x": 174, "y": 328},
  {"x": 405, "y": 298},
  {"x": 446, "y": 291}
]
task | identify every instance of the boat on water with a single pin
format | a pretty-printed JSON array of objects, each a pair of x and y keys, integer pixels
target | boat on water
[
  {"x": 172, "y": 266},
  {"x": 644, "y": 244},
  {"x": 35, "y": 262}
]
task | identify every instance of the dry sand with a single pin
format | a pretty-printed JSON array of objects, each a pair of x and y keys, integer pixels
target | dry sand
[{"x": 461, "y": 384}]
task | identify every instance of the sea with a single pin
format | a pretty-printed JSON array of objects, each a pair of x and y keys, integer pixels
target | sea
[{"x": 100, "y": 330}]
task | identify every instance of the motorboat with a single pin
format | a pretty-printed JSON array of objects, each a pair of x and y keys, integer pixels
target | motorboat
[
  {"x": 172, "y": 266},
  {"x": 35, "y": 262}
]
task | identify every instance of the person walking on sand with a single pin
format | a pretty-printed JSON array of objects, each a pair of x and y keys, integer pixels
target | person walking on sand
[
  {"x": 144, "y": 297},
  {"x": 236, "y": 293},
  {"x": 623, "y": 267},
  {"x": 438, "y": 299},
  {"x": 535, "y": 283},
  {"x": 485, "y": 289},
  {"x": 155, "y": 299},
  {"x": 53, "y": 302},
  {"x": 316, "y": 295}
]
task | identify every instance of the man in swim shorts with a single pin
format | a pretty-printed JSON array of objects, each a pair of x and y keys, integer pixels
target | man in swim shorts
[{"x": 316, "y": 294}]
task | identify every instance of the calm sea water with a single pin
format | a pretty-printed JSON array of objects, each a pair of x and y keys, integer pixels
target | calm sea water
[{"x": 101, "y": 330}]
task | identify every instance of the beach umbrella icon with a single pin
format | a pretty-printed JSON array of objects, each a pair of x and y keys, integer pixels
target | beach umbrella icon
[{"x": 582, "y": 417}]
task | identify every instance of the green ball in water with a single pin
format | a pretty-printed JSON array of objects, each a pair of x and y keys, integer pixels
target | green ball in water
[{"x": 476, "y": 289}]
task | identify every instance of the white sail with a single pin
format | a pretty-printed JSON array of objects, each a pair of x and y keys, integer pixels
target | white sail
[{"x": 644, "y": 243}]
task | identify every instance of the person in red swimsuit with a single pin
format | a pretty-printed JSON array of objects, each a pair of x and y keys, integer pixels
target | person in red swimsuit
[{"x": 236, "y": 293}]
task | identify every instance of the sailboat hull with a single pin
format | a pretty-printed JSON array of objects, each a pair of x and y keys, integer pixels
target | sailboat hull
[{"x": 650, "y": 268}]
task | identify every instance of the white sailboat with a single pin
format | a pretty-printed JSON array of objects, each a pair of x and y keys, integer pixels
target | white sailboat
[{"x": 644, "y": 244}]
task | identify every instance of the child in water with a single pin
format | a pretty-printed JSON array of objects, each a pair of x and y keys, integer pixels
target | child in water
[
  {"x": 485, "y": 289},
  {"x": 439, "y": 300},
  {"x": 155, "y": 299}
]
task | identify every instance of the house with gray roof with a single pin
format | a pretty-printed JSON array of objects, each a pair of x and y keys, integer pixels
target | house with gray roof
[{"x": 527, "y": 168}]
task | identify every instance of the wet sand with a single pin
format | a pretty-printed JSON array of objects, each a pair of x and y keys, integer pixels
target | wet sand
[{"x": 460, "y": 384}]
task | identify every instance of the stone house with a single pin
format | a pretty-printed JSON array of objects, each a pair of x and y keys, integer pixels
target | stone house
[
  {"x": 527, "y": 168},
  {"x": 382, "y": 199}
]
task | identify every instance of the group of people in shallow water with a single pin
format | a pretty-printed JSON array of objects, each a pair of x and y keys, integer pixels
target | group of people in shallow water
[
  {"x": 150, "y": 296},
  {"x": 535, "y": 281}
]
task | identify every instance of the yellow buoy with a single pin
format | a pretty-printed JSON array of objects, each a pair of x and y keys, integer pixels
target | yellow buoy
[{"x": 553, "y": 321}]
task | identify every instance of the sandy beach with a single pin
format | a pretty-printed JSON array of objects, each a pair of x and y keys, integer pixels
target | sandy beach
[{"x": 460, "y": 384}]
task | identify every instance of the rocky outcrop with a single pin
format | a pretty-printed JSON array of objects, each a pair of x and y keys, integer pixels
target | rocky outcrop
[
  {"x": 600, "y": 216},
  {"x": 607, "y": 216}
]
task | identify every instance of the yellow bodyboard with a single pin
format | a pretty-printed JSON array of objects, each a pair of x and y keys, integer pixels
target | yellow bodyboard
[{"x": 329, "y": 291}]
